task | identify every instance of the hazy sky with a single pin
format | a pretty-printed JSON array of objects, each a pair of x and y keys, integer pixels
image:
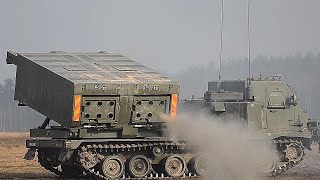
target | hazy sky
[{"x": 168, "y": 35}]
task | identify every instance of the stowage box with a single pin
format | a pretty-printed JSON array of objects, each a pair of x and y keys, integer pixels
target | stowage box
[{"x": 86, "y": 88}]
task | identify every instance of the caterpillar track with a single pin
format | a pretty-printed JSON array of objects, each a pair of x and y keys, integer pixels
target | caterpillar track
[
  {"x": 291, "y": 153},
  {"x": 90, "y": 160},
  {"x": 158, "y": 160}
]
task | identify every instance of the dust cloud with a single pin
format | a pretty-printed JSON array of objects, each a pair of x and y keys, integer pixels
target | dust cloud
[{"x": 231, "y": 152}]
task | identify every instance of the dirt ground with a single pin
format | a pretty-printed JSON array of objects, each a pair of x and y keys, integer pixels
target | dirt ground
[{"x": 13, "y": 166}]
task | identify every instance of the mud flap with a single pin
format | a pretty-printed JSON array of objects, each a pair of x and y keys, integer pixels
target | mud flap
[{"x": 30, "y": 154}]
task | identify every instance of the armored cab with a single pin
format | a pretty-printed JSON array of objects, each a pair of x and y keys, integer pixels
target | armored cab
[
  {"x": 107, "y": 107},
  {"x": 268, "y": 105}
]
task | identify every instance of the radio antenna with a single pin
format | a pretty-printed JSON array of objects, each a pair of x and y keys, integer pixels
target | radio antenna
[
  {"x": 221, "y": 38},
  {"x": 249, "y": 41},
  {"x": 249, "y": 88}
]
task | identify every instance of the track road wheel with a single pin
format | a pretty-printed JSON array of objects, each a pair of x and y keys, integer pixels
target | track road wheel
[
  {"x": 112, "y": 167},
  {"x": 197, "y": 165},
  {"x": 157, "y": 151},
  {"x": 139, "y": 166},
  {"x": 266, "y": 167},
  {"x": 71, "y": 171},
  {"x": 174, "y": 165}
]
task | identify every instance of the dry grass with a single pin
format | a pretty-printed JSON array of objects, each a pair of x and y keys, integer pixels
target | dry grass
[
  {"x": 14, "y": 135},
  {"x": 13, "y": 138},
  {"x": 12, "y": 164}
]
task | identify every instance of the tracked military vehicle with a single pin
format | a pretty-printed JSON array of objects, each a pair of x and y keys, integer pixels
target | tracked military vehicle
[
  {"x": 267, "y": 105},
  {"x": 106, "y": 108}
]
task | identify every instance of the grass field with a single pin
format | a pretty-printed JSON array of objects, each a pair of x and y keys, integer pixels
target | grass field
[{"x": 12, "y": 164}]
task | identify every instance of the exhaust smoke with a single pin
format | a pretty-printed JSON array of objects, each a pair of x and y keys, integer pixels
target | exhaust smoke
[{"x": 230, "y": 150}]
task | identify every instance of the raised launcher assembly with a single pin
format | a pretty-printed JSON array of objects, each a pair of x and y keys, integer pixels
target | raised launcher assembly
[
  {"x": 268, "y": 105},
  {"x": 108, "y": 109}
]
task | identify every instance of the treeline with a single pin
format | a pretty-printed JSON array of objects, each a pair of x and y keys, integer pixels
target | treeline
[
  {"x": 302, "y": 72},
  {"x": 13, "y": 117}
]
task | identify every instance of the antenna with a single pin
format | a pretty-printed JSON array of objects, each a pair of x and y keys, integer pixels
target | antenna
[
  {"x": 249, "y": 41},
  {"x": 221, "y": 38},
  {"x": 249, "y": 88}
]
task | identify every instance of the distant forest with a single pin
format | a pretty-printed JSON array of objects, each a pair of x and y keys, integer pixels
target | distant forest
[
  {"x": 300, "y": 71},
  {"x": 12, "y": 117}
]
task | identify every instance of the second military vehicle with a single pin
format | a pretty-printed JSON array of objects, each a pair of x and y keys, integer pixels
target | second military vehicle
[
  {"x": 107, "y": 107},
  {"x": 268, "y": 105}
]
